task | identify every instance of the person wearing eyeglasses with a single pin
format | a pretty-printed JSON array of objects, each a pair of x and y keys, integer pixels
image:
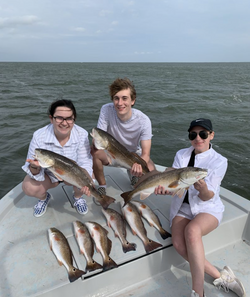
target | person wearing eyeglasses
[
  {"x": 63, "y": 137},
  {"x": 200, "y": 210}
]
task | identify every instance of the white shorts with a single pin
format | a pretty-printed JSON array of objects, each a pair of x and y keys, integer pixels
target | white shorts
[{"x": 185, "y": 212}]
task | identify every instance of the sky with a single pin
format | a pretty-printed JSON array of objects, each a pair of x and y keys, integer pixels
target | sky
[{"x": 125, "y": 31}]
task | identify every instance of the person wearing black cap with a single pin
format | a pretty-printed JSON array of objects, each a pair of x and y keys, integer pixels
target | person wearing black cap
[{"x": 200, "y": 210}]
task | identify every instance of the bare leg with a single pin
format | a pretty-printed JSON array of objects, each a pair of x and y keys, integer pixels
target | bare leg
[
  {"x": 99, "y": 160},
  {"x": 37, "y": 189},
  {"x": 187, "y": 239}
]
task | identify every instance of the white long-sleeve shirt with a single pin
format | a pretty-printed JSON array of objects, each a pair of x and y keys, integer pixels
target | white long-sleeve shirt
[
  {"x": 216, "y": 165},
  {"x": 77, "y": 149}
]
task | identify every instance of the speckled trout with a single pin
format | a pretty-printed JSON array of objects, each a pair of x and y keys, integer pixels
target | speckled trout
[
  {"x": 118, "y": 155},
  {"x": 86, "y": 245},
  {"x": 175, "y": 181},
  {"x": 60, "y": 247},
  {"x": 65, "y": 169}
]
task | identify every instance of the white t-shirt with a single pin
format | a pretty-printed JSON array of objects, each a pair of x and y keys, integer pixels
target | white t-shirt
[
  {"x": 128, "y": 133},
  {"x": 216, "y": 165}
]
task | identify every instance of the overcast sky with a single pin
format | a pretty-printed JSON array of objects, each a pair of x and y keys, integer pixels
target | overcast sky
[{"x": 125, "y": 31}]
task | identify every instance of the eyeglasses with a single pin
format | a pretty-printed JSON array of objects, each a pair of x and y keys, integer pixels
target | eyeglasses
[
  {"x": 203, "y": 135},
  {"x": 61, "y": 119}
]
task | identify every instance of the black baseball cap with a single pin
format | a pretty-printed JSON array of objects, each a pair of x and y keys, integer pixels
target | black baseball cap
[{"x": 205, "y": 123}]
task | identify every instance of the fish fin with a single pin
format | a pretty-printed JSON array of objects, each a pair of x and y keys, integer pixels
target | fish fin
[
  {"x": 144, "y": 195},
  {"x": 50, "y": 244},
  {"x": 151, "y": 245},
  {"x": 174, "y": 184},
  {"x": 164, "y": 233},
  {"x": 82, "y": 251},
  {"x": 109, "y": 264},
  {"x": 127, "y": 247},
  {"x": 105, "y": 201},
  {"x": 59, "y": 171},
  {"x": 60, "y": 262},
  {"x": 126, "y": 197},
  {"x": 93, "y": 265},
  {"x": 146, "y": 176},
  {"x": 179, "y": 193},
  {"x": 75, "y": 273}
]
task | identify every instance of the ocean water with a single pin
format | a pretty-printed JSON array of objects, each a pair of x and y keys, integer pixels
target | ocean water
[{"x": 171, "y": 94}]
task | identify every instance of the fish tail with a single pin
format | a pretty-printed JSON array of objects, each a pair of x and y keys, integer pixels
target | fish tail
[
  {"x": 127, "y": 247},
  {"x": 164, "y": 233},
  {"x": 151, "y": 245},
  {"x": 93, "y": 265},
  {"x": 126, "y": 197},
  {"x": 75, "y": 273},
  {"x": 105, "y": 201},
  {"x": 109, "y": 264}
]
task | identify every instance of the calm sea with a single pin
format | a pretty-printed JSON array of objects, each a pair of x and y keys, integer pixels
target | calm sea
[{"x": 171, "y": 94}]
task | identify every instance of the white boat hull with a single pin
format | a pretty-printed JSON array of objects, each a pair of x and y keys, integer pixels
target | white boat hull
[{"x": 29, "y": 268}]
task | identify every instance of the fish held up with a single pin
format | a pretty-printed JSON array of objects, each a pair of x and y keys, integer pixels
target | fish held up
[
  {"x": 118, "y": 155},
  {"x": 65, "y": 169},
  {"x": 176, "y": 181}
]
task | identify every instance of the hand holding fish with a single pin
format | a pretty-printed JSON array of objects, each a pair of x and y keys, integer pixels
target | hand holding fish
[
  {"x": 34, "y": 166},
  {"x": 33, "y": 162},
  {"x": 136, "y": 170},
  {"x": 160, "y": 190},
  {"x": 204, "y": 193},
  {"x": 86, "y": 191}
]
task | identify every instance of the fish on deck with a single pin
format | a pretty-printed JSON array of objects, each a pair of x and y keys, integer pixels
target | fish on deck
[
  {"x": 134, "y": 220},
  {"x": 60, "y": 247},
  {"x": 86, "y": 245},
  {"x": 102, "y": 243},
  {"x": 148, "y": 214},
  {"x": 118, "y": 224}
]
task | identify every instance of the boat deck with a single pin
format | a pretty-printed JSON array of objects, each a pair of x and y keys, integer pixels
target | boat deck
[{"x": 29, "y": 267}]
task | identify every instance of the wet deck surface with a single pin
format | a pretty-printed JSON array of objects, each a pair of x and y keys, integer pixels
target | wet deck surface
[{"x": 29, "y": 268}]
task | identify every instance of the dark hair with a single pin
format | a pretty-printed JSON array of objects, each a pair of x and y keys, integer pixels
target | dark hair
[
  {"x": 61, "y": 102},
  {"x": 122, "y": 84}
]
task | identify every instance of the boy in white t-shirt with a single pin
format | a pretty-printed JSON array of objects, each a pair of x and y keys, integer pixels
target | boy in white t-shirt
[{"x": 128, "y": 125}]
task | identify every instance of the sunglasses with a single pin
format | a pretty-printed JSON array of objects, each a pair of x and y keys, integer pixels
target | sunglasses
[{"x": 203, "y": 135}]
